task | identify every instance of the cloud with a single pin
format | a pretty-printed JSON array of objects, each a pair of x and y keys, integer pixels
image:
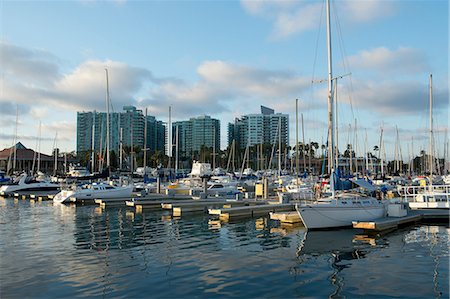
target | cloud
[
  {"x": 292, "y": 17},
  {"x": 367, "y": 10},
  {"x": 390, "y": 98},
  {"x": 222, "y": 86},
  {"x": 35, "y": 78},
  {"x": 85, "y": 87},
  {"x": 37, "y": 67},
  {"x": 382, "y": 59}
]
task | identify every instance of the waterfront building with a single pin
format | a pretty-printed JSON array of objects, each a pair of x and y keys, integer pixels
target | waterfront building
[
  {"x": 255, "y": 129},
  {"x": 195, "y": 134},
  {"x": 19, "y": 158},
  {"x": 127, "y": 126}
]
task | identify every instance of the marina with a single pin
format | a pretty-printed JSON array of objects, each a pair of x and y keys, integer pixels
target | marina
[
  {"x": 117, "y": 252},
  {"x": 187, "y": 149}
]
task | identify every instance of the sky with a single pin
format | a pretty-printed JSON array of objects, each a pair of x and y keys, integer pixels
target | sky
[{"x": 226, "y": 59}]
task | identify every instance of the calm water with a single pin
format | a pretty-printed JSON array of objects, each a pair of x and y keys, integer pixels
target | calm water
[{"x": 59, "y": 251}]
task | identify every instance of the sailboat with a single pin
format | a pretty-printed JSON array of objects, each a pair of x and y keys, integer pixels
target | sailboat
[
  {"x": 434, "y": 197},
  {"x": 341, "y": 208},
  {"x": 97, "y": 190}
]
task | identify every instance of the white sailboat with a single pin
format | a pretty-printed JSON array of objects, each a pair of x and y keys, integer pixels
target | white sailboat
[
  {"x": 341, "y": 208},
  {"x": 97, "y": 190},
  {"x": 433, "y": 197}
]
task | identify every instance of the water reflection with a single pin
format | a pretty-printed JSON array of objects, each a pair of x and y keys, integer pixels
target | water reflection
[
  {"x": 337, "y": 247},
  {"x": 81, "y": 251}
]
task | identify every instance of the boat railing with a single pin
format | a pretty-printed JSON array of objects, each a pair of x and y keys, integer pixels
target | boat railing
[{"x": 409, "y": 193}]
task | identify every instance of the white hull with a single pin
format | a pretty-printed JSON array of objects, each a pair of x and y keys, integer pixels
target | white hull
[
  {"x": 23, "y": 185},
  {"x": 90, "y": 194},
  {"x": 330, "y": 215},
  {"x": 431, "y": 200}
]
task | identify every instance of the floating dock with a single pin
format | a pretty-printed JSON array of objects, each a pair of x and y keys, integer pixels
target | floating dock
[
  {"x": 204, "y": 206},
  {"x": 392, "y": 223},
  {"x": 286, "y": 217},
  {"x": 250, "y": 211}
]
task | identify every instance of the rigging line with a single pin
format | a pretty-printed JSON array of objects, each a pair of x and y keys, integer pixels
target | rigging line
[
  {"x": 317, "y": 43},
  {"x": 319, "y": 34},
  {"x": 343, "y": 55}
]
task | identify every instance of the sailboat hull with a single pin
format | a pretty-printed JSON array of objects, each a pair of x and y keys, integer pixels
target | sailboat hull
[{"x": 321, "y": 216}]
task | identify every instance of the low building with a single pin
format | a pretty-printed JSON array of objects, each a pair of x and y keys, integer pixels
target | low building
[{"x": 18, "y": 158}]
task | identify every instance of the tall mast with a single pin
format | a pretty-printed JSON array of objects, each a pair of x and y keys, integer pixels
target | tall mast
[
  {"x": 304, "y": 145},
  {"x": 279, "y": 146},
  {"x": 431, "y": 131},
  {"x": 296, "y": 137},
  {"x": 39, "y": 148},
  {"x": 177, "y": 134},
  {"x": 145, "y": 141},
  {"x": 169, "y": 137},
  {"x": 55, "y": 153},
  {"x": 331, "y": 149},
  {"x": 214, "y": 146},
  {"x": 15, "y": 138},
  {"x": 93, "y": 144},
  {"x": 107, "y": 121}
]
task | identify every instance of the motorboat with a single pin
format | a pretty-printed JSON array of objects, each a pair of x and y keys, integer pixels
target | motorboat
[
  {"x": 93, "y": 191},
  {"x": 28, "y": 183}
]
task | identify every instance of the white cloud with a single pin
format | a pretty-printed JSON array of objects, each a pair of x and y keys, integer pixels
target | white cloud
[
  {"x": 384, "y": 60},
  {"x": 396, "y": 99},
  {"x": 292, "y": 17},
  {"x": 223, "y": 86},
  {"x": 367, "y": 10}
]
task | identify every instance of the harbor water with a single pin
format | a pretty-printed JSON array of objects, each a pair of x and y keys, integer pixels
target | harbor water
[{"x": 68, "y": 251}]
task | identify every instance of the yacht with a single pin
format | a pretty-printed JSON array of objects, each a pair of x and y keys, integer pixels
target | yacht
[
  {"x": 93, "y": 191},
  {"x": 28, "y": 183}
]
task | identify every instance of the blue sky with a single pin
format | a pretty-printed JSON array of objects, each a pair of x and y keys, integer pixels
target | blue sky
[{"x": 225, "y": 59}]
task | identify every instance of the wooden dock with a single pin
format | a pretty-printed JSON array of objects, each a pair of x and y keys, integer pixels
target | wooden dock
[
  {"x": 286, "y": 217},
  {"x": 392, "y": 223},
  {"x": 250, "y": 211},
  {"x": 204, "y": 205}
]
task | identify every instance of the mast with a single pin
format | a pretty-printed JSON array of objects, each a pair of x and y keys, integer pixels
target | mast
[
  {"x": 15, "y": 138},
  {"x": 431, "y": 132},
  {"x": 176, "y": 148},
  {"x": 169, "y": 137},
  {"x": 296, "y": 137},
  {"x": 304, "y": 145},
  {"x": 107, "y": 122},
  {"x": 380, "y": 156},
  {"x": 93, "y": 144},
  {"x": 279, "y": 146},
  {"x": 145, "y": 141},
  {"x": 39, "y": 148},
  {"x": 55, "y": 152},
  {"x": 121, "y": 149},
  {"x": 331, "y": 149},
  {"x": 214, "y": 146}
]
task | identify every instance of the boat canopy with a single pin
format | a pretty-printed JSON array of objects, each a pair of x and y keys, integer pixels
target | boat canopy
[{"x": 364, "y": 184}]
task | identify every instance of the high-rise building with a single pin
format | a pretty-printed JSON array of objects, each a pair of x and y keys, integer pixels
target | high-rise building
[
  {"x": 195, "y": 134},
  {"x": 128, "y": 126},
  {"x": 264, "y": 128}
]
